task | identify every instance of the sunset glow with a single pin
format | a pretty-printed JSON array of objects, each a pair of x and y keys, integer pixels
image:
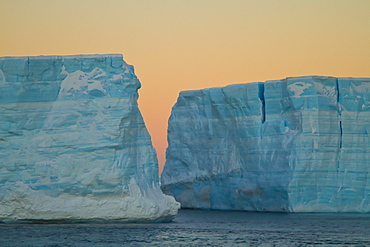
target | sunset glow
[{"x": 184, "y": 45}]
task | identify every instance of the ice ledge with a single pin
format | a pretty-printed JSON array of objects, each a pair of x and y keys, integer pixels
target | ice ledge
[
  {"x": 139, "y": 205},
  {"x": 47, "y": 57}
]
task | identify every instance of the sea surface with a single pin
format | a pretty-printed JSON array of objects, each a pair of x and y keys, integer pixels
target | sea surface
[{"x": 201, "y": 228}]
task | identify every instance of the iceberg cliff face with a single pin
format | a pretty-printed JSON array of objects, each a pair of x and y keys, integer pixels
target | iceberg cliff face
[
  {"x": 73, "y": 144},
  {"x": 293, "y": 145}
]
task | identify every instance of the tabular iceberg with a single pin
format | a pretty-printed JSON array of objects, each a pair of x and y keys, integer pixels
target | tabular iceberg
[
  {"x": 294, "y": 145},
  {"x": 73, "y": 144}
]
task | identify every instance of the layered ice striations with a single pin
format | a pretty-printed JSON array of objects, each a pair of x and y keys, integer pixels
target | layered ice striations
[
  {"x": 73, "y": 144},
  {"x": 294, "y": 145}
]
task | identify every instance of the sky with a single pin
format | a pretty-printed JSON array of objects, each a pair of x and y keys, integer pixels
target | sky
[{"x": 193, "y": 44}]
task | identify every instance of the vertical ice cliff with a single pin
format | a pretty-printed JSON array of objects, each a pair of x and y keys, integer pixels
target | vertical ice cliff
[
  {"x": 73, "y": 144},
  {"x": 294, "y": 145}
]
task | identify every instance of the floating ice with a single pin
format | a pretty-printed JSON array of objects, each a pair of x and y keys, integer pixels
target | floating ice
[
  {"x": 294, "y": 145},
  {"x": 73, "y": 144}
]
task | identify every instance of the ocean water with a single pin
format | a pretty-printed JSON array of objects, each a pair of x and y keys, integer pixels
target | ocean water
[{"x": 201, "y": 228}]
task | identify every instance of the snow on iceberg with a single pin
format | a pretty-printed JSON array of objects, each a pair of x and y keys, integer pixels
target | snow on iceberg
[
  {"x": 73, "y": 144},
  {"x": 294, "y": 145}
]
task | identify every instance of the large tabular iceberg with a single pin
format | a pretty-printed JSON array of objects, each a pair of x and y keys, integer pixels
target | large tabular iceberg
[
  {"x": 73, "y": 144},
  {"x": 293, "y": 145}
]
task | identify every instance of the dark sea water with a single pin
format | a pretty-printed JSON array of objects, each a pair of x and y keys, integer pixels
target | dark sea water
[{"x": 201, "y": 228}]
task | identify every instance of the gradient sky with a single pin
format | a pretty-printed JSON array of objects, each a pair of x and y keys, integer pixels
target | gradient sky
[{"x": 192, "y": 44}]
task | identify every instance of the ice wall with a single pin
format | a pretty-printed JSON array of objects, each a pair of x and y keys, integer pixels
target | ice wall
[
  {"x": 293, "y": 145},
  {"x": 73, "y": 144}
]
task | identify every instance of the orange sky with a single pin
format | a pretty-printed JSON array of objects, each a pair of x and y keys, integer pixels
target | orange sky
[{"x": 191, "y": 44}]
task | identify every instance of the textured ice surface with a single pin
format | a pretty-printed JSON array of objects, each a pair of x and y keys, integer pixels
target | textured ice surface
[
  {"x": 295, "y": 145},
  {"x": 73, "y": 144}
]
